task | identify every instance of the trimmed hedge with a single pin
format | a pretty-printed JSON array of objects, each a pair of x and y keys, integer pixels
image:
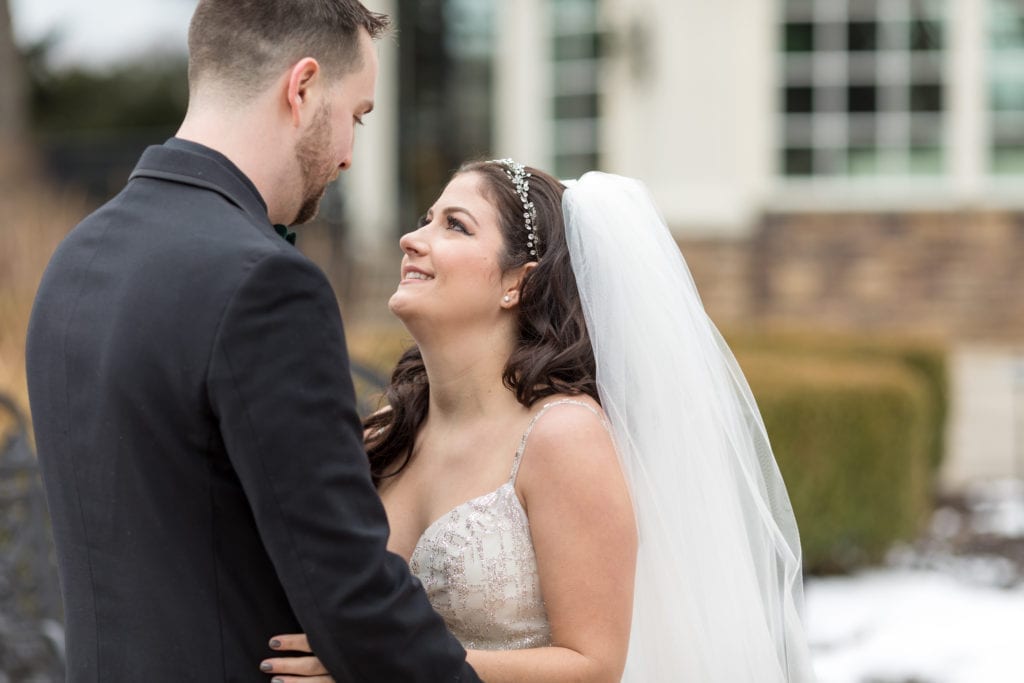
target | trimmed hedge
[
  {"x": 851, "y": 438},
  {"x": 924, "y": 358}
]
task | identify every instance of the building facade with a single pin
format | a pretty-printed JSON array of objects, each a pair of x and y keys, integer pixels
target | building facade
[{"x": 842, "y": 164}]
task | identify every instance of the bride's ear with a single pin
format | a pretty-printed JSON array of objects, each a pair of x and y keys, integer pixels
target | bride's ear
[{"x": 513, "y": 280}]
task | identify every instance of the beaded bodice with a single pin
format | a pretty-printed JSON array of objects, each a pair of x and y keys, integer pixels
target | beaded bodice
[{"x": 478, "y": 566}]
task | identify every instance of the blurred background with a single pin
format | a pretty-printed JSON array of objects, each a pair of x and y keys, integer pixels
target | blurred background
[{"x": 844, "y": 177}]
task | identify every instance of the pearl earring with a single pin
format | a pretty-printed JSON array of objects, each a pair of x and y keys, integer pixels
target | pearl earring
[{"x": 507, "y": 298}]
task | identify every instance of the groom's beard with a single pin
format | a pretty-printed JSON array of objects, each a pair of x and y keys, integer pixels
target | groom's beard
[{"x": 315, "y": 162}]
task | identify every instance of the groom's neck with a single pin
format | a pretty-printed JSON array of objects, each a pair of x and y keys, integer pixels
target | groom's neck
[{"x": 252, "y": 141}]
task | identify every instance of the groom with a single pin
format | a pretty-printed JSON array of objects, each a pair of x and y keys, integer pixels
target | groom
[{"x": 190, "y": 387}]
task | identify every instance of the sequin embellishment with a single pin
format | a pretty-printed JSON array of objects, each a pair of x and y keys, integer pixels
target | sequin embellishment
[{"x": 478, "y": 566}]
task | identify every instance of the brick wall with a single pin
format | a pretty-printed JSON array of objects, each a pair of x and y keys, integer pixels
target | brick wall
[{"x": 954, "y": 275}]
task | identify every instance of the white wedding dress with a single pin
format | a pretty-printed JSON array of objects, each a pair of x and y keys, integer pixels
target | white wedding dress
[
  {"x": 718, "y": 591},
  {"x": 478, "y": 566}
]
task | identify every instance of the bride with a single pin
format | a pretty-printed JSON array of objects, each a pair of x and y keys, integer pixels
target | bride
[{"x": 571, "y": 460}]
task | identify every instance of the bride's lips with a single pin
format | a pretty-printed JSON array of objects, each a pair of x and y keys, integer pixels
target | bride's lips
[{"x": 414, "y": 274}]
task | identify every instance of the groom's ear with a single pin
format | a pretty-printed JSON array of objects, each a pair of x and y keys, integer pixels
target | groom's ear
[{"x": 301, "y": 79}]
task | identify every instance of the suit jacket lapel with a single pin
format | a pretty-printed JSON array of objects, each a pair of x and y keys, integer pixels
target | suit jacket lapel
[{"x": 192, "y": 164}]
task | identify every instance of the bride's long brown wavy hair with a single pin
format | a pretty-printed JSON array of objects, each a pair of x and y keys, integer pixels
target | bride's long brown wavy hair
[{"x": 552, "y": 354}]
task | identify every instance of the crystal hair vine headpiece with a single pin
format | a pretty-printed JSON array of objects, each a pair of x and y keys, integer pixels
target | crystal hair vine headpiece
[{"x": 520, "y": 178}]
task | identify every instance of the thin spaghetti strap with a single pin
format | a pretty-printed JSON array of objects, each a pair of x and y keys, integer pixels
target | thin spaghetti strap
[{"x": 529, "y": 428}]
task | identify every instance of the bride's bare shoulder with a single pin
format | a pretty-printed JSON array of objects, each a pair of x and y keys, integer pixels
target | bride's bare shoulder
[
  {"x": 571, "y": 433},
  {"x": 572, "y": 484}
]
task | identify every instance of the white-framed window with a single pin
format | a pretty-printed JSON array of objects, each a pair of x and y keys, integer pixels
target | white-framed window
[
  {"x": 863, "y": 88},
  {"x": 575, "y": 63},
  {"x": 469, "y": 44},
  {"x": 1005, "y": 75}
]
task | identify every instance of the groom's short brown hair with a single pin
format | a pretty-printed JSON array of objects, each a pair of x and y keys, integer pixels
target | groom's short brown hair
[{"x": 245, "y": 44}]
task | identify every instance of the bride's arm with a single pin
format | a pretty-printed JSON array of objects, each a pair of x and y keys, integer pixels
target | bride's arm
[{"x": 584, "y": 534}]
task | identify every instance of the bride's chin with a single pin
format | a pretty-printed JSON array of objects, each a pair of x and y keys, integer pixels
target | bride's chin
[{"x": 400, "y": 306}]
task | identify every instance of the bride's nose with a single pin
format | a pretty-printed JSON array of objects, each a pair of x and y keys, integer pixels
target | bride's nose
[{"x": 413, "y": 242}]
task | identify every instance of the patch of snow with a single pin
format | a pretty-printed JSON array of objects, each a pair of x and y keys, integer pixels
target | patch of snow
[
  {"x": 998, "y": 507},
  {"x": 947, "y": 609},
  {"x": 921, "y": 626}
]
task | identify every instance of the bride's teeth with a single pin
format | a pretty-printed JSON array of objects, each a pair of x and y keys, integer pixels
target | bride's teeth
[{"x": 413, "y": 275}]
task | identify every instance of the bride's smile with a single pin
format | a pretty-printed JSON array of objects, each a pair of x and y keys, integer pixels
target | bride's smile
[
  {"x": 457, "y": 249},
  {"x": 412, "y": 273}
]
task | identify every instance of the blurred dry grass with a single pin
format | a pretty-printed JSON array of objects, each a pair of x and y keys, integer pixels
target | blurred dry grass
[
  {"x": 377, "y": 345},
  {"x": 35, "y": 218}
]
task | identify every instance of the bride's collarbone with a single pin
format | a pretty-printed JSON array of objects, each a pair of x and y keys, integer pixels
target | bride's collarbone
[
  {"x": 444, "y": 474},
  {"x": 440, "y": 477},
  {"x": 471, "y": 452}
]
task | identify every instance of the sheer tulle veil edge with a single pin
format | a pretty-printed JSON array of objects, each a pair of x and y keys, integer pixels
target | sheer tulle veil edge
[{"x": 719, "y": 590}]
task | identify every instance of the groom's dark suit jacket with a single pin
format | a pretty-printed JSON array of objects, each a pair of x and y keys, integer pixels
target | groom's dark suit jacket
[{"x": 202, "y": 456}]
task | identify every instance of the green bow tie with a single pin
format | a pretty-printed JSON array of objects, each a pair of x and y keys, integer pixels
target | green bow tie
[{"x": 283, "y": 232}]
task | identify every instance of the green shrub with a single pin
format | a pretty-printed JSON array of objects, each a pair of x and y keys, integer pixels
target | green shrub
[
  {"x": 924, "y": 358},
  {"x": 851, "y": 441}
]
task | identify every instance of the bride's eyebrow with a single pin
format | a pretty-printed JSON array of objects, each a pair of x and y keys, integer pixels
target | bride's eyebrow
[{"x": 459, "y": 209}]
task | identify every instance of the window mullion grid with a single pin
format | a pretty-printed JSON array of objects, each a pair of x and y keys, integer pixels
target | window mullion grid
[{"x": 831, "y": 81}]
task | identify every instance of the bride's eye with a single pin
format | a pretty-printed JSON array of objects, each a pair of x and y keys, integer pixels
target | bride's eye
[
  {"x": 423, "y": 220},
  {"x": 455, "y": 224}
]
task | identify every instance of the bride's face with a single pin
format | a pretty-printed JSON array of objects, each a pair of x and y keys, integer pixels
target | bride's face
[{"x": 451, "y": 270}]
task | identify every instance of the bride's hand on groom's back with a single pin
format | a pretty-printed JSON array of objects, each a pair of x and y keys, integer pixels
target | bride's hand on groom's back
[{"x": 294, "y": 668}]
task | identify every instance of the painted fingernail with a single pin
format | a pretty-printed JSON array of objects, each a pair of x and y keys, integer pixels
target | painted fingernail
[
  {"x": 276, "y": 680},
  {"x": 266, "y": 667},
  {"x": 274, "y": 644}
]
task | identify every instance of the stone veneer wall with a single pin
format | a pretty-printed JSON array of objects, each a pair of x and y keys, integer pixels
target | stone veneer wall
[{"x": 952, "y": 275}]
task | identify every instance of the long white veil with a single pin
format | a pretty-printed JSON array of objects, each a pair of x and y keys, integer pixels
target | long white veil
[{"x": 719, "y": 589}]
